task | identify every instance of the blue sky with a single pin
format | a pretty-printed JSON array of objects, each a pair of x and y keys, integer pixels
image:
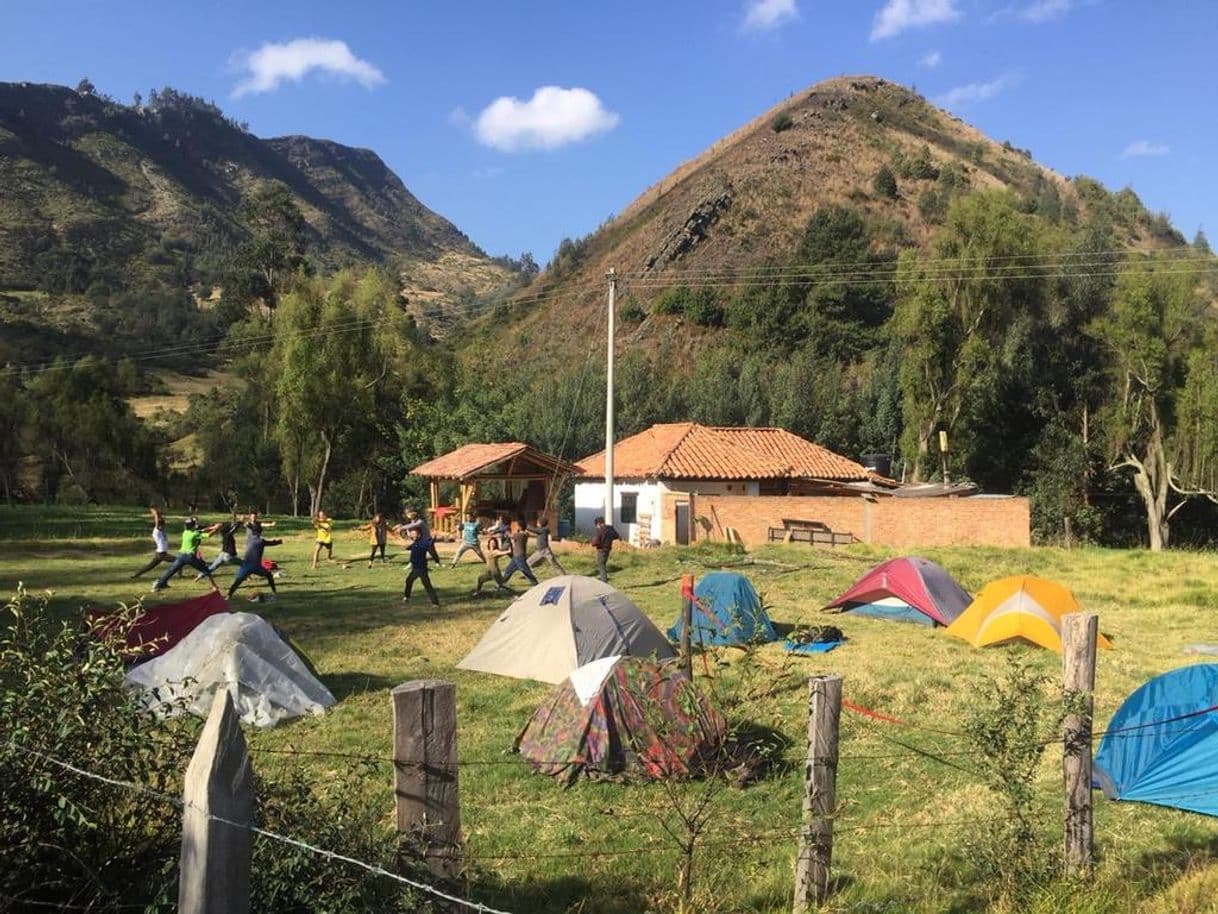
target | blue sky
[{"x": 447, "y": 93}]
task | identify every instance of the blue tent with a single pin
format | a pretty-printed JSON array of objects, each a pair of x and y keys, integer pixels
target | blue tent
[
  {"x": 726, "y": 611},
  {"x": 1161, "y": 746}
]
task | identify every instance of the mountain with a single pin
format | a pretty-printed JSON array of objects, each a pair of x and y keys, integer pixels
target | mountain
[
  {"x": 97, "y": 195},
  {"x": 744, "y": 202}
]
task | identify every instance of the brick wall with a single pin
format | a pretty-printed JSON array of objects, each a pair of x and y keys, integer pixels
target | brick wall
[{"x": 899, "y": 522}]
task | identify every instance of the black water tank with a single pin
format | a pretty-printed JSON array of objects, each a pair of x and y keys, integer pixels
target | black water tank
[{"x": 880, "y": 464}]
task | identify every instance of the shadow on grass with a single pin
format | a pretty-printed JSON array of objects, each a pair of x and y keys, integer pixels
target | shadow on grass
[
  {"x": 609, "y": 895},
  {"x": 345, "y": 685}
]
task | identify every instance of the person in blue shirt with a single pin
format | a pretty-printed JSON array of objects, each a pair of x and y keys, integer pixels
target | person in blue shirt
[
  {"x": 470, "y": 530},
  {"x": 419, "y": 549}
]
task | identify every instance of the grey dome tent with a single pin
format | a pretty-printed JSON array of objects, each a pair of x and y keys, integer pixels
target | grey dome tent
[{"x": 561, "y": 624}]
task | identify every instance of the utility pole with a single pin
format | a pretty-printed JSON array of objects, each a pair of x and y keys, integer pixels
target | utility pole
[{"x": 612, "y": 275}]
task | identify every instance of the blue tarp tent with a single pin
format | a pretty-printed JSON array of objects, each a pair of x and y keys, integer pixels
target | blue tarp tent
[
  {"x": 726, "y": 611},
  {"x": 1161, "y": 746}
]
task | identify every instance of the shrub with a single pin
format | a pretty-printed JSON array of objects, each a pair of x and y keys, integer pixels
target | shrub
[
  {"x": 885, "y": 183},
  {"x": 671, "y": 301},
  {"x": 782, "y": 121},
  {"x": 631, "y": 312},
  {"x": 704, "y": 308}
]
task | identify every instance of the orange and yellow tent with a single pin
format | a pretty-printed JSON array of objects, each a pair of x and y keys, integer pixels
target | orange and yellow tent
[{"x": 1020, "y": 607}]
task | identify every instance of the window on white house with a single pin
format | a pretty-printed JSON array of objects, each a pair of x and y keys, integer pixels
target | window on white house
[{"x": 629, "y": 509}]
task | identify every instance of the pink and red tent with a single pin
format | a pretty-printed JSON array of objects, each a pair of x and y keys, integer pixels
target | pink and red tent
[{"x": 910, "y": 589}]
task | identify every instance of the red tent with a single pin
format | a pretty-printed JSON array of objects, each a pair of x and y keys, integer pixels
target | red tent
[
  {"x": 911, "y": 589},
  {"x": 157, "y": 628}
]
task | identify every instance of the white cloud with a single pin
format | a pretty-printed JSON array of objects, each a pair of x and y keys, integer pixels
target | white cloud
[
  {"x": 768, "y": 14},
  {"x": 931, "y": 60},
  {"x": 553, "y": 117},
  {"x": 1044, "y": 10},
  {"x": 274, "y": 64},
  {"x": 1144, "y": 148},
  {"x": 898, "y": 15},
  {"x": 963, "y": 96}
]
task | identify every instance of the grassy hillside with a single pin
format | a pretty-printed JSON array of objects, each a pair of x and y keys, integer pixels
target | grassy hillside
[
  {"x": 910, "y": 829},
  {"x": 98, "y": 199},
  {"x": 743, "y": 203}
]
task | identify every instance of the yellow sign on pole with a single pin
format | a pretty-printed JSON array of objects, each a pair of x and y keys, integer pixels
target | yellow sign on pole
[{"x": 943, "y": 441}]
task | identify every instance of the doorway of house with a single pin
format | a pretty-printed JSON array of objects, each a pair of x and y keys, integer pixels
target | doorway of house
[{"x": 682, "y": 523}]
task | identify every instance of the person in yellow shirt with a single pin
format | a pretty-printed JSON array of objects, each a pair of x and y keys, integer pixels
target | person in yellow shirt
[{"x": 325, "y": 537}]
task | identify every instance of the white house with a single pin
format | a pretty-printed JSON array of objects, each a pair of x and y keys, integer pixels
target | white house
[{"x": 657, "y": 470}]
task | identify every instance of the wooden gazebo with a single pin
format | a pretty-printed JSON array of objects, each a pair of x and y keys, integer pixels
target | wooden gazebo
[{"x": 511, "y": 477}]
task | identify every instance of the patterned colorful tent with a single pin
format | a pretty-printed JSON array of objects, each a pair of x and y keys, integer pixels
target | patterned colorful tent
[
  {"x": 1020, "y": 608},
  {"x": 628, "y": 716},
  {"x": 726, "y": 610},
  {"x": 910, "y": 589},
  {"x": 1161, "y": 746}
]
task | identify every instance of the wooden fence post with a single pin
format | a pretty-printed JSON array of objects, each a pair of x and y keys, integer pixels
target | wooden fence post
[
  {"x": 214, "y": 875},
  {"x": 1078, "y": 683},
  {"x": 425, "y": 773},
  {"x": 820, "y": 792},
  {"x": 687, "y": 621}
]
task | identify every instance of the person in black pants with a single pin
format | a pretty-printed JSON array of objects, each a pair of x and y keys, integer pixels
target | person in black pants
[
  {"x": 602, "y": 542},
  {"x": 251, "y": 560},
  {"x": 419, "y": 549}
]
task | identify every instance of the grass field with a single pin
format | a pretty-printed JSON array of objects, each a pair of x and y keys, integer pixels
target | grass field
[{"x": 907, "y": 824}]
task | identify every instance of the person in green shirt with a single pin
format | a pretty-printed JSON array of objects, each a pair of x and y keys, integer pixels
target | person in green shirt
[
  {"x": 192, "y": 536},
  {"x": 470, "y": 529}
]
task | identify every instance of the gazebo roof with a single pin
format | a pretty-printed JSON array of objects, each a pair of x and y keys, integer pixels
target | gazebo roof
[{"x": 508, "y": 460}]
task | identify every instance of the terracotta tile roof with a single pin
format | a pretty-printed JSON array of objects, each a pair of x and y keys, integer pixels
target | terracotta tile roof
[
  {"x": 471, "y": 459},
  {"x": 687, "y": 450}
]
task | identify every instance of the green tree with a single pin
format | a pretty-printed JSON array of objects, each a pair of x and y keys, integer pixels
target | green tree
[
  {"x": 885, "y": 183},
  {"x": 1163, "y": 389},
  {"x": 266, "y": 262},
  {"x": 338, "y": 357},
  {"x": 962, "y": 320}
]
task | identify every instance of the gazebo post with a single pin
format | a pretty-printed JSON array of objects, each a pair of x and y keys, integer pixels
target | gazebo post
[{"x": 433, "y": 488}]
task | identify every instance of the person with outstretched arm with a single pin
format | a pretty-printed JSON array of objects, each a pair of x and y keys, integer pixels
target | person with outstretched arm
[
  {"x": 192, "y": 536},
  {"x": 416, "y": 524},
  {"x": 377, "y": 530},
  {"x": 228, "y": 546},
  {"x": 602, "y": 542},
  {"x": 491, "y": 557},
  {"x": 470, "y": 528},
  {"x": 519, "y": 540},
  {"x": 419, "y": 549},
  {"x": 160, "y": 543},
  {"x": 542, "y": 551},
  {"x": 251, "y": 558}
]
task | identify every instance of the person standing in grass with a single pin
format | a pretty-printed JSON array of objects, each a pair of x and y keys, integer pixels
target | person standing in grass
[
  {"x": 377, "y": 531},
  {"x": 602, "y": 542},
  {"x": 251, "y": 558},
  {"x": 419, "y": 550},
  {"x": 228, "y": 546},
  {"x": 325, "y": 537},
  {"x": 470, "y": 529},
  {"x": 542, "y": 551},
  {"x": 415, "y": 524},
  {"x": 160, "y": 543},
  {"x": 192, "y": 537},
  {"x": 519, "y": 540},
  {"x": 492, "y": 573}
]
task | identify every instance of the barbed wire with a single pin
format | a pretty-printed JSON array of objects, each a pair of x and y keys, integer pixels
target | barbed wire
[{"x": 373, "y": 868}]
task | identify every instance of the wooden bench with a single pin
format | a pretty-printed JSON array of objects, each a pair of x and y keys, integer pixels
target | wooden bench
[{"x": 812, "y": 532}]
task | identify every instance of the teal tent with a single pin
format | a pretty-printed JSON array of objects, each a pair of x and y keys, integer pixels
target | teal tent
[{"x": 726, "y": 611}]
